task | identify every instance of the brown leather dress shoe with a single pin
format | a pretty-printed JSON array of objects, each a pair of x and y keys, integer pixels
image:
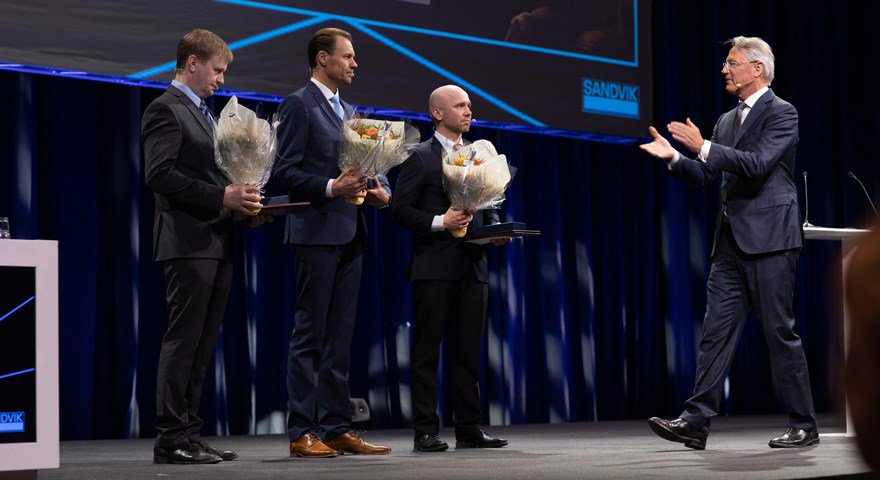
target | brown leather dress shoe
[
  {"x": 351, "y": 442},
  {"x": 310, "y": 446}
]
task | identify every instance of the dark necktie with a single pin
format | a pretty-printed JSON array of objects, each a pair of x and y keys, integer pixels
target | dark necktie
[{"x": 739, "y": 118}]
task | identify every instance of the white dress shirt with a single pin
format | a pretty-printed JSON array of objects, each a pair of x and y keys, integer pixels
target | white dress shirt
[{"x": 448, "y": 147}]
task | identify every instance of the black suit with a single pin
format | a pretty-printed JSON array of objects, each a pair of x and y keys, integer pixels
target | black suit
[
  {"x": 192, "y": 235},
  {"x": 450, "y": 283},
  {"x": 328, "y": 240},
  {"x": 755, "y": 255}
]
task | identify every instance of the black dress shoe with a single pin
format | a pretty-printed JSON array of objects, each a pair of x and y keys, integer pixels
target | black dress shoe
[
  {"x": 478, "y": 439},
  {"x": 429, "y": 443},
  {"x": 206, "y": 447},
  {"x": 796, "y": 438},
  {"x": 183, "y": 454},
  {"x": 680, "y": 431}
]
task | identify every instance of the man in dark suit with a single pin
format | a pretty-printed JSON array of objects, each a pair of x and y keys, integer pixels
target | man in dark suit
[
  {"x": 192, "y": 235},
  {"x": 328, "y": 241},
  {"x": 450, "y": 281},
  {"x": 757, "y": 241}
]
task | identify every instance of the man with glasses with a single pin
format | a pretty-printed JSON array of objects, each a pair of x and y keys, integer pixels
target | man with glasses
[{"x": 757, "y": 241}]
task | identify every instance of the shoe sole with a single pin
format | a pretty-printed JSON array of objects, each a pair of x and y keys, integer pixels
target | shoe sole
[
  {"x": 666, "y": 434},
  {"x": 790, "y": 445},
  {"x": 474, "y": 445},
  {"x": 343, "y": 452},
  {"x": 165, "y": 461},
  {"x": 300, "y": 455},
  {"x": 431, "y": 450}
]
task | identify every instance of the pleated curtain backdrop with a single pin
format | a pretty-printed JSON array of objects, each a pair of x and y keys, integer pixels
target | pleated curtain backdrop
[{"x": 596, "y": 319}]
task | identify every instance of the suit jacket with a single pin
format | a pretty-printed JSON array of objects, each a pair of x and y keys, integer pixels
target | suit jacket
[
  {"x": 757, "y": 168},
  {"x": 418, "y": 198},
  {"x": 190, "y": 220},
  {"x": 308, "y": 149}
]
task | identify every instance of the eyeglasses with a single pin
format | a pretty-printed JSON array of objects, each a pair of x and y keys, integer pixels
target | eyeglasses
[{"x": 732, "y": 65}]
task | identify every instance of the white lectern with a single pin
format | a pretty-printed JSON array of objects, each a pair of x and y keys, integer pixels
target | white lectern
[
  {"x": 847, "y": 238},
  {"x": 29, "y": 437}
]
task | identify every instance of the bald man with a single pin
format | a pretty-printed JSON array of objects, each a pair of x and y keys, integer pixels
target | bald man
[{"x": 450, "y": 281}]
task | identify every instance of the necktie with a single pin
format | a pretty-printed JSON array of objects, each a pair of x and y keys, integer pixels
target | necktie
[
  {"x": 206, "y": 113},
  {"x": 337, "y": 106},
  {"x": 739, "y": 118},
  {"x": 456, "y": 147}
]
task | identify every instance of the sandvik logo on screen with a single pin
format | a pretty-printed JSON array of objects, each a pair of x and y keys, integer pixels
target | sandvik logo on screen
[
  {"x": 610, "y": 98},
  {"x": 11, "y": 422}
]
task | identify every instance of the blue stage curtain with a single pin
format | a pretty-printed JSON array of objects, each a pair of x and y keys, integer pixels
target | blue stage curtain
[{"x": 597, "y": 319}]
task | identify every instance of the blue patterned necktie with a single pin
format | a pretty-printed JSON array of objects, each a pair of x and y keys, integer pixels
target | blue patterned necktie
[
  {"x": 206, "y": 113},
  {"x": 337, "y": 107}
]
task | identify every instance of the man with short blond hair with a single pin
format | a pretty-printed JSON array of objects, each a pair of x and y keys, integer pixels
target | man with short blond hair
[{"x": 192, "y": 236}]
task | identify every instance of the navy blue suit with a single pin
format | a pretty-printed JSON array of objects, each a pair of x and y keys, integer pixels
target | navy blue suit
[
  {"x": 754, "y": 256},
  {"x": 450, "y": 285},
  {"x": 328, "y": 240}
]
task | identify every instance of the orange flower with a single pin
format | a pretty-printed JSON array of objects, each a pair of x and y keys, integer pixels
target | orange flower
[{"x": 372, "y": 132}]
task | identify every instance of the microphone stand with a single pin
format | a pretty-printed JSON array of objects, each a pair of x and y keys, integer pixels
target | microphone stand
[
  {"x": 806, "y": 204},
  {"x": 871, "y": 202}
]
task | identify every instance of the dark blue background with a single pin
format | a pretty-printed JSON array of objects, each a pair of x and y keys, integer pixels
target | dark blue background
[{"x": 597, "y": 319}]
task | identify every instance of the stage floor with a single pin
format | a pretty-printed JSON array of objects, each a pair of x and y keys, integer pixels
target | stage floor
[{"x": 737, "y": 448}]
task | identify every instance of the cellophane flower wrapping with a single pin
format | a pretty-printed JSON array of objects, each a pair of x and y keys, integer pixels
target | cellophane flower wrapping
[
  {"x": 475, "y": 177},
  {"x": 374, "y": 147},
  {"x": 244, "y": 146}
]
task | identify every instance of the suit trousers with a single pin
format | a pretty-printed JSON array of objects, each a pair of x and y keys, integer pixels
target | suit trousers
[
  {"x": 457, "y": 308},
  {"x": 738, "y": 282},
  {"x": 328, "y": 280},
  {"x": 196, "y": 291}
]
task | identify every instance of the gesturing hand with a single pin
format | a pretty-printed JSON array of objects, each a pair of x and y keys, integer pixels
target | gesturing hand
[
  {"x": 660, "y": 147},
  {"x": 688, "y": 134}
]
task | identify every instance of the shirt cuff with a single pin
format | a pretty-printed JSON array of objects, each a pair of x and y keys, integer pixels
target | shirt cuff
[
  {"x": 675, "y": 158},
  {"x": 437, "y": 224},
  {"x": 704, "y": 150},
  {"x": 328, "y": 191}
]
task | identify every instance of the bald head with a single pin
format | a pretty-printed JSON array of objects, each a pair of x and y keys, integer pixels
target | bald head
[{"x": 450, "y": 110}]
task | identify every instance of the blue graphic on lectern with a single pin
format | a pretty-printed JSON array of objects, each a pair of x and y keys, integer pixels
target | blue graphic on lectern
[
  {"x": 18, "y": 355},
  {"x": 11, "y": 422}
]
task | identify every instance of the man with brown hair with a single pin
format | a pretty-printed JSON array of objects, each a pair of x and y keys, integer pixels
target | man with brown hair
[
  {"x": 328, "y": 240},
  {"x": 192, "y": 235}
]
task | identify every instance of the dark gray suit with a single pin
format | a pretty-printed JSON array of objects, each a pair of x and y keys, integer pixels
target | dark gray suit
[
  {"x": 755, "y": 255},
  {"x": 328, "y": 241},
  {"x": 192, "y": 235}
]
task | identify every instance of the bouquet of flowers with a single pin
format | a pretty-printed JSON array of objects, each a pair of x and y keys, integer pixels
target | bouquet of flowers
[
  {"x": 475, "y": 177},
  {"x": 374, "y": 147},
  {"x": 244, "y": 145}
]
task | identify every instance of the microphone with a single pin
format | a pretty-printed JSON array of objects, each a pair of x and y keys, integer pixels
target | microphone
[
  {"x": 853, "y": 176},
  {"x": 741, "y": 85},
  {"x": 806, "y": 204}
]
